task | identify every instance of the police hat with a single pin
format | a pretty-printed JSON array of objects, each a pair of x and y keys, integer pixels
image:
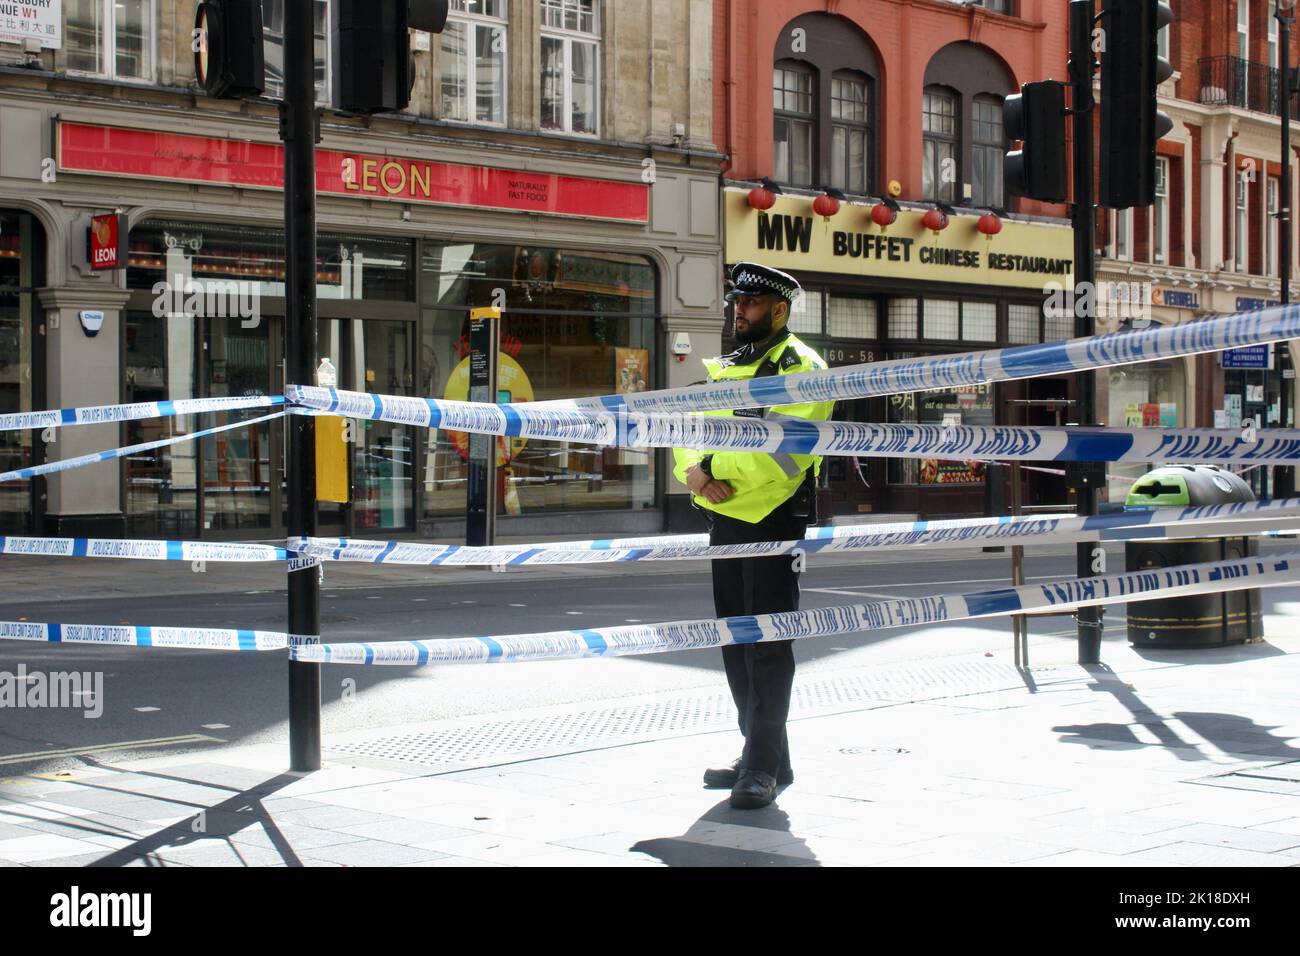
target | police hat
[{"x": 750, "y": 278}]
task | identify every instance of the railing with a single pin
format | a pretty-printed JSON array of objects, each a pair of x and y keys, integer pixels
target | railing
[{"x": 1232, "y": 81}]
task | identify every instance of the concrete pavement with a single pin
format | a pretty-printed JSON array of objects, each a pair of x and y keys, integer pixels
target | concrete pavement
[{"x": 1165, "y": 758}]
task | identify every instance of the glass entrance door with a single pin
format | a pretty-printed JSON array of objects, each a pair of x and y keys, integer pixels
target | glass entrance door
[
  {"x": 381, "y": 359},
  {"x": 240, "y": 468}
]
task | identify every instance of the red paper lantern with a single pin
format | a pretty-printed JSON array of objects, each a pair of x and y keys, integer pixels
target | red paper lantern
[
  {"x": 989, "y": 224},
  {"x": 826, "y": 206},
  {"x": 761, "y": 198},
  {"x": 883, "y": 216},
  {"x": 936, "y": 220}
]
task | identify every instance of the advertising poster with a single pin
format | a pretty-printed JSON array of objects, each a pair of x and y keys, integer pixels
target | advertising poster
[
  {"x": 1168, "y": 415},
  {"x": 631, "y": 370},
  {"x": 1150, "y": 415},
  {"x": 938, "y": 471},
  {"x": 1232, "y": 410},
  {"x": 1132, "y": 415}
]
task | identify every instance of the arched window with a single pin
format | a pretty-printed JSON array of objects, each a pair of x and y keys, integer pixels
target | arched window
[
  {"x": 794, "y": 121},
  {"x": 988, "y": 148},
  {"x": 940, "y": 168},
  {"x": 850, "y": 132},
  {"x": 827, "y": 133},
  {"x": 963, "y": 140}
]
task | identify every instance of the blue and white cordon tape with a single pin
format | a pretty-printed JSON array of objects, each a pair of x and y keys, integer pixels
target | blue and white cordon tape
[
  {"x": 132, "y": 411},
  {"x": 98, "y": 456},
  {"x": 1057, "y": 596},
  {"x": 126, "y": 635},
  {"x": 970, "y": 368},
  {"x": 144, "y": 550},
  {"x": 1162, "y": 524},
  {"x": 784, "y": 434},
  {"x": 625, "y": 640}
]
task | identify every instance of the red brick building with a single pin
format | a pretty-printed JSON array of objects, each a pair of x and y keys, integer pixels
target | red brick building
[
  {"x": 897, "y": 101},
  {"x": 1210, "y": 244}
]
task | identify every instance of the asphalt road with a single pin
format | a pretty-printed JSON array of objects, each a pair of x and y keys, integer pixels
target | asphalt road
[{"x": 160, "y": 700}]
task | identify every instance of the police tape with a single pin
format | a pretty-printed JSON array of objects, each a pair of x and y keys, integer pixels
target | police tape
[
  {"x": 898, "y": 375},
  {"x": 1253, "y": 518},
  {"x": 99, "y": 456},
  {"x": 132, "y": 411},
  {"x": 781, "y": 434},
  {"x": 140, "y": 550},
  {"x": 127, "y": 635},
  {"x": 965, "y": 369},
  {"x": 1057, "y": 596}
]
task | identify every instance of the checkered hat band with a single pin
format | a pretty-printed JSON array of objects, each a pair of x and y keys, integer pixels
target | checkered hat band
[{"x": 780, "y": 288}]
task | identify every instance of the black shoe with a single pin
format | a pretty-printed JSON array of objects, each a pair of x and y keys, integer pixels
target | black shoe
[
  {"x": 724, "y": 778},
  {"x": 754, "y": 789}
]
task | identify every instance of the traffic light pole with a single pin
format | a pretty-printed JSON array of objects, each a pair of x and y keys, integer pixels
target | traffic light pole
[
  {"x": 298, "y": 130},
  {"x": 1084, "y": 221}
]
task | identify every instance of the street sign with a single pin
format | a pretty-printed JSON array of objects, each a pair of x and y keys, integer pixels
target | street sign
[{"x": 481, "y": 494}]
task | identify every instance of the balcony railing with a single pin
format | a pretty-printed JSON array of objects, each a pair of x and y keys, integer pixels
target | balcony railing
[{"x": 1232, "y": 81}]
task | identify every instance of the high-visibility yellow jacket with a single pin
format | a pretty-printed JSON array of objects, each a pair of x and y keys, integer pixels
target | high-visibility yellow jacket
[{"x": 761, "y": 481}]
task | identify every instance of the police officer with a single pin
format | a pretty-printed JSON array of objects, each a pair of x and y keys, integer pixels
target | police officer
[{"x": 753, "y": 497}]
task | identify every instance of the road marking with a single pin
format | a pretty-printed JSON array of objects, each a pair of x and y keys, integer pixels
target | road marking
[
  {"x": 215, "y": 726},
  {"x": 573, "y": 612},
  {"x": 121, "y": 745},
  {"x": 145, "y": 710},
  {"x": 851, "y": 593}
]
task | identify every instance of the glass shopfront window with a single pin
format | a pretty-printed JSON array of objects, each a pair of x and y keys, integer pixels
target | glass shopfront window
[
  {"x": 237, "y": 265},
  {"x": 207, "y": 320},
  {"x": 971, "y": 405},
  {"x": 575, "y": 323},
  {"x": 1147, "y": 395},
  {"x": 22, "y": 242}
]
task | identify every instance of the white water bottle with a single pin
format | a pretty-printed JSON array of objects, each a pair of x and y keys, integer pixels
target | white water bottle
[{"x": 327, "y": 375}]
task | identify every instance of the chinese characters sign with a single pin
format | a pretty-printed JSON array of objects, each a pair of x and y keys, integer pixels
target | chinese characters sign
[{"x": 32, "y": 20}]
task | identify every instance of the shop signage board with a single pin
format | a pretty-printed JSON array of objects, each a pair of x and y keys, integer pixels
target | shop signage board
[
  {"x": 210, "y": 160},
  {"x": 1249, "y": 356},
  {"x": 790, "y": 236},
  {"x": 32, "y": 20},
  {"x": 106, "y": 241},
  {"x": 1175, "y": 299}
]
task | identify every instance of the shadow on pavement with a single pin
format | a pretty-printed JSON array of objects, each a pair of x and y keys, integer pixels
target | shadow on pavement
[
  {"x": 1235, "y": 734},
  {"x": 1231, "y": 654},
  {"x": 243, "y": 809},
  {"x": 690, "y": 850},
  {"x": 1111, "y": 736},
  {"x": 1231, "y": 733}
]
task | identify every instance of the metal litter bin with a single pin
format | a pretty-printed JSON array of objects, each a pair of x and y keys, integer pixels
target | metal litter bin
[{"x": 1206, "y": 620}]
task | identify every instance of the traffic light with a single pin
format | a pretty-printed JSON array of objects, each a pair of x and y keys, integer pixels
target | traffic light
[
  {"x": 1036, "y": 116},
  {"x": 1130, "y": 122},
  {"x": 227, "y": 43},
  {"x": 373, "y": 67}
]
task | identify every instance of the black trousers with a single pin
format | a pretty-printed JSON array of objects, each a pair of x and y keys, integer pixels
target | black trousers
[{"x": 760, "y": 675}]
